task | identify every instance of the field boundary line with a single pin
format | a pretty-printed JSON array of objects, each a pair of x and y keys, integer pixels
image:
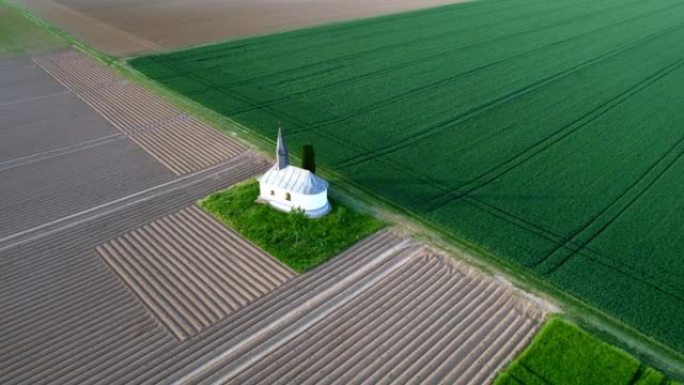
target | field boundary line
[
  {"x": 33, "y": 99},
  {"x": 126, "y": 201},
  {"x": 70, "y": 149}
]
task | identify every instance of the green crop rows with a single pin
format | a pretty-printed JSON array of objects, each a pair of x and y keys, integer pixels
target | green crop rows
[
  {"x": 549, "y": 133},
  {"x": 563, "y": 354}
]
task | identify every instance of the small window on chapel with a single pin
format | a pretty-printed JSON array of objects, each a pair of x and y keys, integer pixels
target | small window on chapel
[
  {"x": 272, "y": 192},
  {"x": 288, "y": 197}
]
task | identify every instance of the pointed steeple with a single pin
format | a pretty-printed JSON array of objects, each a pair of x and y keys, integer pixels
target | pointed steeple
[{"x": 281, "y": 152}]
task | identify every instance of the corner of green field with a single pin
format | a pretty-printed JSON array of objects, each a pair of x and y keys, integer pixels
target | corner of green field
[
  {"x": 562, "y": 353},
  {"x": 299, "y": 242}
]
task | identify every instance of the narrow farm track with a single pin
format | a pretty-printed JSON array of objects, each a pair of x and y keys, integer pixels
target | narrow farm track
[
  {"x": 190, "y": 271},
  {"x": 618, "y": 207},
  {"x": 183, "y": 144}
]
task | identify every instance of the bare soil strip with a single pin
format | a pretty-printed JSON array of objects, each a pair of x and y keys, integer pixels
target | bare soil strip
[
  {"x": 191, "y": 271},
  {"x": 130, "y": 27},
  {"x": 183, "y": 144}
]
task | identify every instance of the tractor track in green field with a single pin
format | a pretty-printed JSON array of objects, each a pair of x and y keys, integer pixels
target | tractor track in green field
[
  {"x": 563, "y": 243},
  {"x": 567, "y": 242},
  {"x": 452, "y": 195},
  {"x": 552, "y": 236},
  {"x": 428, "y": 87},
  {"x": 399, "y": 46},
  {"x": 618, "y": 100},
  {"x": 269, "y": 105},
  {"x": 642, "y": 277},
  {"x": 612, "y": 219},
  {"x": 441, "y": 126}
]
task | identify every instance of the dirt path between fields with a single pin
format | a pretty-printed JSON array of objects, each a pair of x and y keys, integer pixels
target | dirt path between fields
[{"x": 130, "y": 27}]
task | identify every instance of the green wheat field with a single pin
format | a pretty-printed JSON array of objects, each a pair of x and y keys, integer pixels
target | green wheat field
[{"x": 547, "y": 133}]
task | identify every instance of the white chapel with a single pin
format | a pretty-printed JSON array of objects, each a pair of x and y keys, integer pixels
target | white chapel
[{"x": 287, "y": 187}]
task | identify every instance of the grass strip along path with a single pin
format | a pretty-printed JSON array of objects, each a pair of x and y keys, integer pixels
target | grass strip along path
[
  {"x": 19, "y": 35},
  {"x": 292, "y": 238},
  {"x": 548, "y": 134},
  {"x": 563, "y": 354}
]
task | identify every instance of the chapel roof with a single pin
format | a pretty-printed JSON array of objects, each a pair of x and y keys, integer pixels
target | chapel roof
[{"x": 294, "y": 179}]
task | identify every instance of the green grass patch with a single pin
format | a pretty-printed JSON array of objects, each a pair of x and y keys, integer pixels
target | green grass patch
[
  {"x": 563, "y": 354},
  {"x": 650, "y": 376},
  {"x": 19, "y": 35},
  {"x": 292, "y": 238},
  {"x": 544, "y": 133}
]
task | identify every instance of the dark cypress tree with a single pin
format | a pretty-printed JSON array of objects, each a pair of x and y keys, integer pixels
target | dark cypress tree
[{"x": 309, "y": 158}]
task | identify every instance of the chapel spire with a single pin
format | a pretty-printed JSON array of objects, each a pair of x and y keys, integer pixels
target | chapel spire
[{"x": 281, "y": 152}]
